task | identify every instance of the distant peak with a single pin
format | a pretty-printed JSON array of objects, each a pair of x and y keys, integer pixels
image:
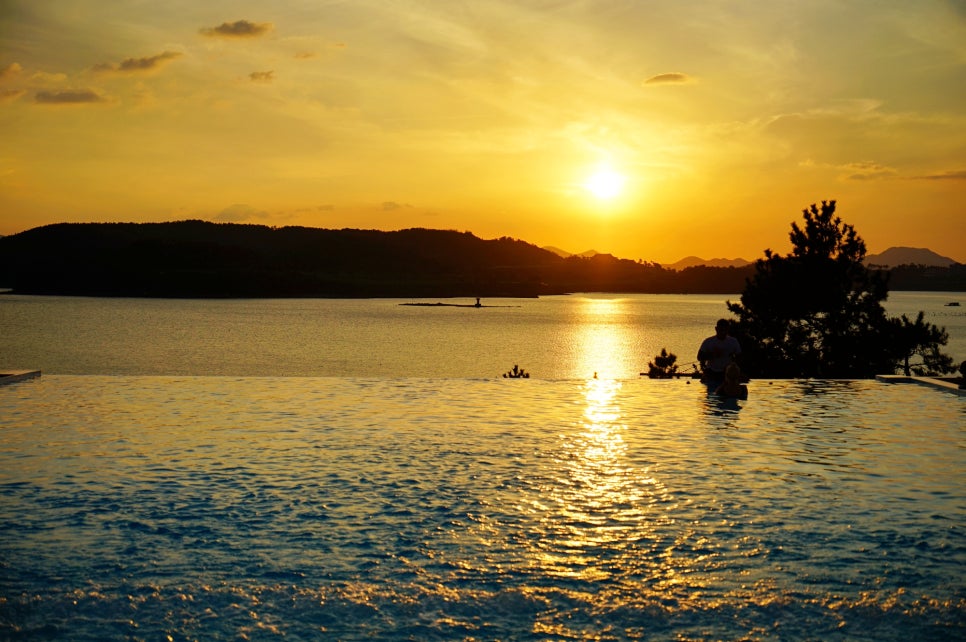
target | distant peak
[
  {"x": 565, "y": 254},
  {"x": 694, "y": 261},
  {"x": 908, "y": 256}
]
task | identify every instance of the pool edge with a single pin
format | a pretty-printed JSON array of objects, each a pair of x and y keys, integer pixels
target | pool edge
[
  {"x": 934, "y": 382},
  {"x": 13, "y": 376}
]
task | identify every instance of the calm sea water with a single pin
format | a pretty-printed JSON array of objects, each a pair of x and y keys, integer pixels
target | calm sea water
[
  {"x": 562, "y": 337},
  {"x": 301, "y": 508},
  {"x": 398, "y": 488}
]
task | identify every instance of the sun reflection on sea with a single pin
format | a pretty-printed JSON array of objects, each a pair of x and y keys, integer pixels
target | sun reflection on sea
[{"x": 604, "y": 344}]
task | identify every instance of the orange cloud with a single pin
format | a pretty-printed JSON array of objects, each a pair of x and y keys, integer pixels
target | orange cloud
[
  {"x": 238, "y": 29},
  {"x": 68, "y": 97},
  {"x": 135, "y": 65},
  {"x": 10, "y": 95},
  {"x": 674, "y": 78},
  {"x": 955, "y": 175},
  {"x": 10, "y": 70},
  {"x": 239, "y": 212}
]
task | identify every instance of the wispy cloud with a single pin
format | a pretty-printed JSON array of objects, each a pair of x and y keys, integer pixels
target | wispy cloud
[
  {"x": 68, "y": 97},
  {"x": 10, "y": 95},
  {"x": 10, "y": 70},
  {"x": 239, "y": 212},
  {"x": 853, "y": 171},
  {"x": 954, "y": 175},
  {"x": 238, "y": 29},
  {"x": 138, "y": 65},
  {"x": 389, "y": 206},
  {"x": 47, "y": 77},
  {"x": 262, "y": 76},
  {"x": 867, "y": 171},
  {"x": 673, "y": 78}
]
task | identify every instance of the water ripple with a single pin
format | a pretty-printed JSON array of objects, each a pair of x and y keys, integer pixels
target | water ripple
[{"x": 145, "y": 507}]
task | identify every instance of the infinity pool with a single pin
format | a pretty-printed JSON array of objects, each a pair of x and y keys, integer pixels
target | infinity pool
[{"x": 211, "y": 508}]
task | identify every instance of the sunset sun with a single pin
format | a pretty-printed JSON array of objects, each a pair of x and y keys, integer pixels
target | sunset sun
[{"x": 605, "y": 183}]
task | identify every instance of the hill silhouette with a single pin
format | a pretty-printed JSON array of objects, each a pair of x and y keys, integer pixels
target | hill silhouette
[
  {"x": 203, "y": 259},
  {"x": 692, "y": 261},
  {"x": 896, "y": 256}
]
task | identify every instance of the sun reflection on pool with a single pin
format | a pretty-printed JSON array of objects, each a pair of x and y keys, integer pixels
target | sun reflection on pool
[
  {"x": 591, "y": 510},
  {"x": 607, "y": 516}
]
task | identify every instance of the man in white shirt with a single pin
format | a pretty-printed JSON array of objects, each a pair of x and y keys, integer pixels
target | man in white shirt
[{"x": 717, "y": 352}]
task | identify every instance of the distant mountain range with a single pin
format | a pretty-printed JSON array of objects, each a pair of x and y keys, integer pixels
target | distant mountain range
[
  {"x": 693, "y": 261},
  {"x": 890, "y": 258},
  {"x": 687, "y": 262},
  {"x": 565, "y": 254},
  {"x": 896, "y": 256}
]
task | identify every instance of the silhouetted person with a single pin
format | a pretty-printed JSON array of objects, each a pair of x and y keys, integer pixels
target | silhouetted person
[
  {"x": 716, "y": 352},
  {"x": 962, "y": 375},
  {"x": 732, "y": 387},
  {"x": 478, "y": 304}
]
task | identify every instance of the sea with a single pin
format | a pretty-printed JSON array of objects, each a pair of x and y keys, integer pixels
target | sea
[{"x": 309, "y": 469}]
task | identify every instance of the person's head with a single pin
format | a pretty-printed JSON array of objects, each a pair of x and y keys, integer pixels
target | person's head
[
  {"x": 721, "y": 328},
  {"x": 732, "y": 373}
]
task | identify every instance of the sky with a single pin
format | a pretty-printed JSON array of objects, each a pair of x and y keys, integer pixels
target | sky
[{"x": 648, "y": 129}]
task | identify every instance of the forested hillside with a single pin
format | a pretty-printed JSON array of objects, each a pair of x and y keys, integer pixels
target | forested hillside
[{"x": 202, "y": 259}]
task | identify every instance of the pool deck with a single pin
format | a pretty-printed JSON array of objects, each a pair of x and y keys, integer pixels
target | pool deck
[
  {"x": 12, "y": 376},
  {"x": 948, "y": 384}
]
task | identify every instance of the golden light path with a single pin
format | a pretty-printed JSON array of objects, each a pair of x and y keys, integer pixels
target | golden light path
[{"x": 604, "y": 344}]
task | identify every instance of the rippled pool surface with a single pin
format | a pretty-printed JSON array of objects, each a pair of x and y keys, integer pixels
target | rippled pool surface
[{"x": 182, "y": 508}]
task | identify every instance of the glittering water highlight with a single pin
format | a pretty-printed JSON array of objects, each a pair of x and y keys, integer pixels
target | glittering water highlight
[{"x": 440, "y": 509}]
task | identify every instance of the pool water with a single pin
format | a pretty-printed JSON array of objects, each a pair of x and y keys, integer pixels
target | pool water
[{"x": 302, "y": 508}]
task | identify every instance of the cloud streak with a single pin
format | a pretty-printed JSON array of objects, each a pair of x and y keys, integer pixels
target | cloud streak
[
  {"x": 239, "y": 212},
  {"x": 262, "y": 76},
  {"x": 10, "y": 70},
  {"x": 238, "y": 29},
  {"x": 68, "y": 97},
  {"x": 956, "y": 175},
  {"x": 140, "y": 65},
  {"x": 10, "y": 95},
  {"x": 673, "y": 78}
]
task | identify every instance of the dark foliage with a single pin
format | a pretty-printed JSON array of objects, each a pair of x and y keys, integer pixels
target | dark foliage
[
  {"x": 912, "y": 339},
  {"x": 928, "y": 278},
  {"x": 664, "y": 365},
  {"x": 516, "y": 373},
  {"x": 818, "y": 312},
  {"x": 200, "y": 259}
]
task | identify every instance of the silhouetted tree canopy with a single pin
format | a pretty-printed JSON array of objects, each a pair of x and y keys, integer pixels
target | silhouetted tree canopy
[{"x": 817, "y": 312}]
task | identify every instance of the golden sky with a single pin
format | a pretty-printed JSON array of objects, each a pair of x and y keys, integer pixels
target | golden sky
[{"x": 714, "y": 123}]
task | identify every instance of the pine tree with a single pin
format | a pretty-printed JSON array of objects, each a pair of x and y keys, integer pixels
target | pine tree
[{"x": 817, "y": 312}]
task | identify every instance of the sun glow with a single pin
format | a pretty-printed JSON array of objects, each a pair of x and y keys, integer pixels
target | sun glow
[{"x": 605, "y": 183}]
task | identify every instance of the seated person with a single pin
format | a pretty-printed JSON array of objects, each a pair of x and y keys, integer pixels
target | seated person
[
  {"x": 732, "y": 386},
  {"x": 716, "y": 352}
]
